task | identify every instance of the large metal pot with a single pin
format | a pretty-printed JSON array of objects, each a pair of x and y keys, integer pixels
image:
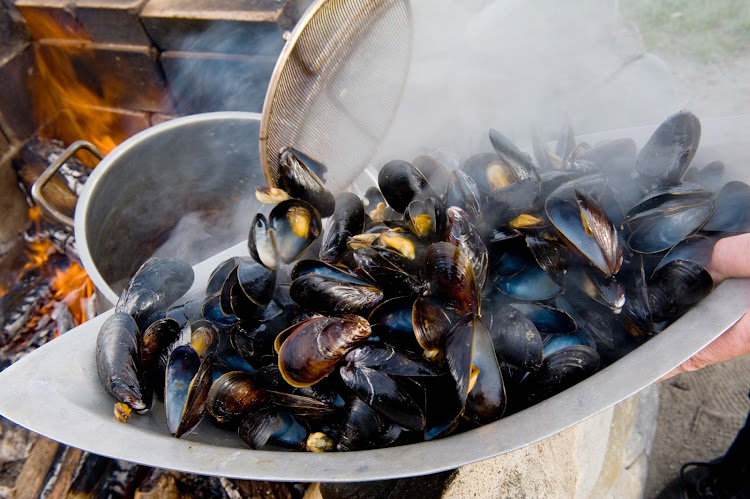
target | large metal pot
[{"x": 205, "y": 166}]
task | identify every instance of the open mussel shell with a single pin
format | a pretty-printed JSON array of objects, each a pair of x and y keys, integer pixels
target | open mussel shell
[
  {"x": 669, "y": 150},
  {"x": 425, "y": 218},
  {"x": 552, "y": 256},
  {"x": 459, "y": 344},
  {"x": 405, "y": 247},
  {"x": 607, "y": 290},
  {"x": 432, "y": 323},
  {"x": 676, "y": 287},
  {"x": 296, "y": 225},
  {"x": 710, "y": 176},
  {"x": 297, "y": 177},
  {"x": 503, "y": 206},
  {"x": 384, "y": 394},
  {"x": 547, "y": 319},
  {"x": 348, "y": 220},
  {"x": 530, "y": 284},
  {"x": 636, "y": 315},
  {"x": 260, "y": 243},
  {"x": 668, "y": 198},
  {"x": 256, "y": 281},
  {"x": 188, "y": 380},
  {"x": 213, "y": 311},
  {"x": 698, "y": 248},
  {"x": 519, "y": 162},
  {"x": 233, "y": 395},
  {"x": 663, "y": 232},
  {"x": 616, "y": 155},
  {"x": 560, "y": 370},
  {"x": 461, "y": 232},
  {"x": 117, "y": 363},
  {"x": 450, "y": 276},
  {"x": 401, "y": 183},
  {"x": 487, "y": 398},
  {"x": 157, "y": 285},
  {"x": 323, "y": 288},
  {"x": 585, "y": 226},
  {"x": 545, "y": 158},
  {"x": 732, "y": 213},
  {"x": 515, "y": 338},
  {"x": 310, "y": 350},
  {"x": 463, "y": 192}
]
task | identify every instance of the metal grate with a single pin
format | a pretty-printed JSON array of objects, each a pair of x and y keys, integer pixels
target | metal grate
[{"x": 337, "y": 85}]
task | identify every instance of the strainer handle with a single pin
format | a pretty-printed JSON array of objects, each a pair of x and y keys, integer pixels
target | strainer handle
[{"x": 46, "y": 176}]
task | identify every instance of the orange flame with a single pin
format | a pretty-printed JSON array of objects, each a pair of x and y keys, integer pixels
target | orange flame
[
  {"x": 56, "y": 84},
  {"x": 73, "y": 287},
  {"x": 38, "y": 252}
]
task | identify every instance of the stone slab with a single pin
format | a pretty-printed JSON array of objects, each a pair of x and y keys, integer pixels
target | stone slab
[
  {"x": 112, "y": 21},
  {"x": 203, "y": 82},
  {"x": 120, "y": 76}
]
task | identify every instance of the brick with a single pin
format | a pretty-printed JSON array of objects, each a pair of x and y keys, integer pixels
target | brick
[
  {"x": 119, "y": 76},
  {"x": 227, "y": 26},
  {"x": 13, "y": 34},
  {"x": 50, "y": 19},
  {"x": 16, "y": 112},
  {"x": 203, "y": 82},
  {"x": 110, "y": 127},
  {"x": 112, "y": 21}
]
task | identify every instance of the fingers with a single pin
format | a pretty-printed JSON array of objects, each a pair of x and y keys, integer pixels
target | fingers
[
  {"x": 731, "y": 258},
  {"x": 733, "y": 343}
]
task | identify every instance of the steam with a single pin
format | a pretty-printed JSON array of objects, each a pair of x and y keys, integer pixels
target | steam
[{"x": 481, "y": 64}]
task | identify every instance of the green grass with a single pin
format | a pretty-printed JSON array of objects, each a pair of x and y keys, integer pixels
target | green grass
[{"x": 699, "y": 30}]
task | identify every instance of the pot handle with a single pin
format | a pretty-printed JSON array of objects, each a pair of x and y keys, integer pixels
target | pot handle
[{"x": 46, "y": 176}]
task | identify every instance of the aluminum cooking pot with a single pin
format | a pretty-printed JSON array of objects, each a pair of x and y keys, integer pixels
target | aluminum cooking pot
[{"x": 199, "y": 169}]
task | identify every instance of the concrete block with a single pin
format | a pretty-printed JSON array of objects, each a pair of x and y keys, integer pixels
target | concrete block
[
  {"x": 203, "y": 82},
  {"x": 16, "y": 113},
  {"x": 50, "y": 19},
  {"x": 119, "y": 76},
  {"x": 228, "y": 26},
  {"x": 112, "y": 21}
]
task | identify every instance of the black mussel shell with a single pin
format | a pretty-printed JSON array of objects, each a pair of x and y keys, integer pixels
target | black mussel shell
[
  {"x": 365, "y": 428},
  {"x": 560, "y": 370},
  {"x": 519, "y": 162},
  {"x": 710, "y": 176},
  {"x": 332, "y": 295},
  {"x": 348, "y": 220},
  {"x": 384, "y": 394},
  {"x": 566, "y": 141},
  {"x": 697, "y": 248},
  {"x": 425, "y": 218},
  {"x": 547, "y": 319},
  {"x": 636, "y": 315},
  {"x": 155, "y": 341},
  {"x": 552, "y": 256},
  {"x": 220, "y": 274},
  {"x": 396, "y": 316},
  {"x": 665, "y": 231},
  {"x": 389, "y": 360},
  {"x": 459, "y": 345},
  {"x": 463, "y": 192},
  {"x": 505, "y": 205},
  {"x": 607, "y": 290},
  {"x": 432, "y": 322},
  {"x": 515, "y": 337},
  {"x": 530, "y": 284},
  {"x": 260, "y": 243},
  {"x": 450, "y": 276},
  {"x": 188, "y": 381},
  {"x": 383, "y": 267},
  {"x": 616, "y": 155},
  {"x": 461, "y": 232},
  {"x": 732, "y": 213},
  {"x": 296, "y": 225},
  {"x": 309, "y": 351},
  {"x": 487, "y": 398},
  {"x": 117, "y": 363},
  {"x": 156, "y": 285},
  {"x": 666, "y": 199},
  {"x": 298, "y": 179},
  {"x": 401, "y": 183},
  {"x": 233, "y": 395},
  {"x": 676, "y": 287},
  {"x": 271, "y": 425},
  {"x": 256, "y": 281},
  {"x": 668, "y": 152},
  {"x": 545, "y": 158}
]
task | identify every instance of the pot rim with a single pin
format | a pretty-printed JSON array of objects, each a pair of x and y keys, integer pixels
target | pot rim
[{"x": 79, "y": 226}]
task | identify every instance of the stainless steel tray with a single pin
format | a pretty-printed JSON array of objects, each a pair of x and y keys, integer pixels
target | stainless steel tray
[{"x": 55, "y": 391}]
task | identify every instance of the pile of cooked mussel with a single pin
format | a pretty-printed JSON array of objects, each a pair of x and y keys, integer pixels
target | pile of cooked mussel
[{"x": 439, "y": 301}]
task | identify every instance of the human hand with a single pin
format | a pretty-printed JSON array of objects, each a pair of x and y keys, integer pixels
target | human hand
[{"x": 731, "y": 258}]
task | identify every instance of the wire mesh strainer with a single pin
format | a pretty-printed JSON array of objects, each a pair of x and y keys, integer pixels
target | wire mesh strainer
[{"x": 336, "y": 86}]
